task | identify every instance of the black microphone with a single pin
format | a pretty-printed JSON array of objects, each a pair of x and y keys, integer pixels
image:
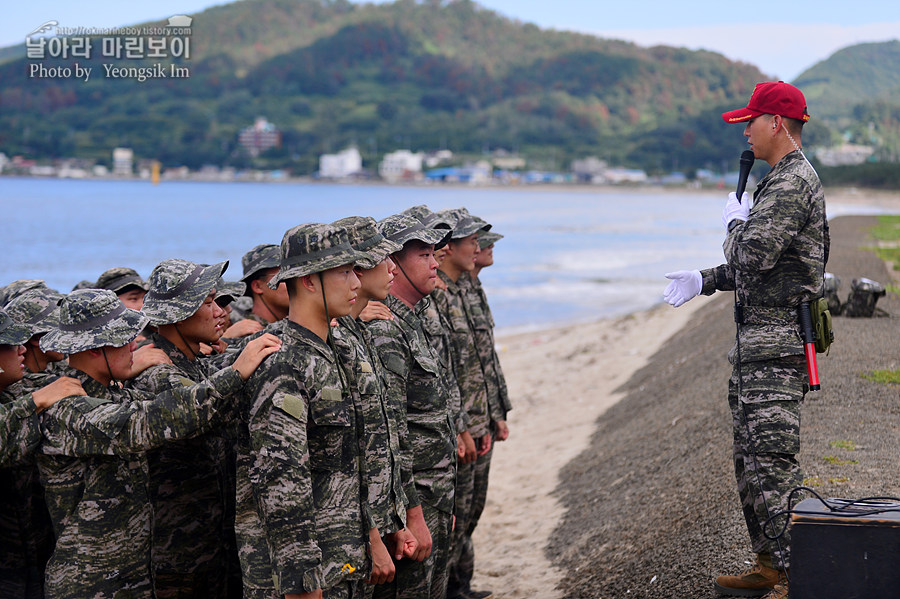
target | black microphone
[{"x": 747, "y": 160}]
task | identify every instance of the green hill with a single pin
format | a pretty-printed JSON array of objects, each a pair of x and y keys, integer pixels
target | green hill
[
  {"x": 408, "y": 74},
  {"x": 861, "y": 74}
]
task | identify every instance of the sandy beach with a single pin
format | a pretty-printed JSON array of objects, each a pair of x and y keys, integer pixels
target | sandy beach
[{"x": 554, "y": 525}]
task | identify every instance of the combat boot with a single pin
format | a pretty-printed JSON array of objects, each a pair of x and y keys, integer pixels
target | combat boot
[{"x": 755, "y": 582}]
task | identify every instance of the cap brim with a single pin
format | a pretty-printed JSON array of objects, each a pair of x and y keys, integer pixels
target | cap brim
[
  {"x": 319, "y": 265},
  {"x": 15, "y": 334},
  {"x": 376, "y": 255},
  {"x": 740, "y": 115},
  {"x": 118, "y": 332}
]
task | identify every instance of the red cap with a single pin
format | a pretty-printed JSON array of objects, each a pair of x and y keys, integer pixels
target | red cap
[{"x": 771, "y": 97}]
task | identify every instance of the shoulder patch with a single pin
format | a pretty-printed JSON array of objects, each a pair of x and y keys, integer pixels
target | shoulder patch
[
  {"x": 365, "y": 367},
  {"x": 295, "y": 406}
]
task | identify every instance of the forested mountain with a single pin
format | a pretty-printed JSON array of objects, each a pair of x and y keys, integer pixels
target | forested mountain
[{"x": 419, "y": 75}]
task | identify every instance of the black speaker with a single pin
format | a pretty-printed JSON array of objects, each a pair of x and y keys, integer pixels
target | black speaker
[{"x": 845, "y": 553}]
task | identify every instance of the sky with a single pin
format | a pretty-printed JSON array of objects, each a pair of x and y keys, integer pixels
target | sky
[{"x": 781, "y": 38}]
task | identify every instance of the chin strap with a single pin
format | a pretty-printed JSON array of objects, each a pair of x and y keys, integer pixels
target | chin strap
[
  {"x": 330, "y": 338},
  {"x": 112, "y": 379},
  {"x": 186, "y": 344},
  {"x": 419, "y": 291}
]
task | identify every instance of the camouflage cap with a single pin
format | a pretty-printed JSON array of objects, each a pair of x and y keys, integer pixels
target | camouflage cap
[
  {"x": 178, "y": 288},
  {"x": 435, "y": 220},
  {"x": 227, "y": 292},
  {"x": 38, "y": 308},
  {"x": 362, "y": 231},
  {"x": 402, "y": 228},
  {"x": 17, "y": 288},
  {"x": 118, "y": 278},
  {"x": 11, "y": 331},
  {"x": 262, "y": 257},
  {"x": 311, "y": 248},
  {"x": 84, "y": 284},
  {"x": 466, "y": 224},
  {"x": 488, "y": 238},
  {"x": 92, "y": 318}
]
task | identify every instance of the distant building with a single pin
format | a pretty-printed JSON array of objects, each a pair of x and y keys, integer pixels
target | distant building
[
  {"x": 621, "y": 175},
  {"x": 3, "y": 161},
  {"x": 401, "y": 165},
  {"x": 123, "y": 160},
  {"x": 508, "y": 161},
  {"x": 432, "y": 159},
  {"x": 586, "y": 169},
  {"x": 260, "y": 137},
  {"x": 340, "y": 165},
  {"x": 479, "y": 173}
]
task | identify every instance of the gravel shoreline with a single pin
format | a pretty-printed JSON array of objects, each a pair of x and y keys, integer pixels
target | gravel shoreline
[{"x": 651, "y": 508}]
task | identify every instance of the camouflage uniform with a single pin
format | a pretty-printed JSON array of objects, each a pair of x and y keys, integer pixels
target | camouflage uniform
[
  {"x": 386, "y": 500},
  {"x": 776, "y": 259},
  {"x": 189, "y": 483},
  {"x": 301, "y": 453},
  {"x": 498, "y": 406},
  {"x": 93, "y": 459},
  {"x": 26, "y": 534},
  {"x": 418, "y": 389}
]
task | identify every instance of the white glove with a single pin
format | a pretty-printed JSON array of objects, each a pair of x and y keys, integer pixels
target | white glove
[
  {"x": 734, "y": 209},
  {"x": 685, "y": 286}
]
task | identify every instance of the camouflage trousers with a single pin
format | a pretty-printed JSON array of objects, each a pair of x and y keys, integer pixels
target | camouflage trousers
[
  {"x": 766, "y": 424},
  {"x": 426, "y": 579},
  {"x": 462, "y": 551}
]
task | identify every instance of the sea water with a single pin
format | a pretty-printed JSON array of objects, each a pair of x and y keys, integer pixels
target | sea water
[{"x": 566, "y": 256}]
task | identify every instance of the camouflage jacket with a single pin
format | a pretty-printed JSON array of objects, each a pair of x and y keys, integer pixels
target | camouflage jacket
[
  {"x": 188, "y": 478},
  {"x": 26, "y": 534},
  {"x": 483, "y": 322},
  {"x": 437, "y": 332},
  {"x": 20, "y": 432},
  {"x": 302, "y": 458},
  {"x": 776, "y": 259},
  {"x": 386, "y": 500},
  {"x": 470, "y": 372},
  {"x": 95, "y": 473},
  {"x": 417, "y": 387}
]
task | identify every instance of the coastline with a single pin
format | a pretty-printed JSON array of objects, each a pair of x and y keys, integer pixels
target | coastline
[{"x": 560, "y": 380}]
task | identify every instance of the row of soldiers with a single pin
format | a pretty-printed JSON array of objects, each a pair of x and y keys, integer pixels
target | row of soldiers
[{"x": 322, "y": 428}]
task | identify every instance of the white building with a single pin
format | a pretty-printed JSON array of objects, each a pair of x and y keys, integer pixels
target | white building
[
  {"x": 260, "y": 137},
  {"x": 401, "y": 164},
  {"x": 847, "y": 154},
  {"x": 123, "y": 159},
  {"x": 340, "y": 165}
]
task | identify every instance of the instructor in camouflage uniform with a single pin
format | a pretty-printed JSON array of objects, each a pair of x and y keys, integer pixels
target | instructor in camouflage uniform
[{"x": 776, "y": 253}]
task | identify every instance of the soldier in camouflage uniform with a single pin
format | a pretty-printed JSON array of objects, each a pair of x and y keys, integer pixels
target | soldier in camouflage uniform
[
  {"x": 26, "y": 533},
  {"x": 189, "y": 484},
  {"x": 93, "y": 457},
  {"x": 450, "y": 301},
  {"x": 776, "y": 254},
  {"x": 420, "y": 389},
  {"x": 302, "y": 454},
  {"x": 126, "y": 283},
  {"x": 497, "y": 401},
  {"x": 386, "y": 500},
  {"x": 38, "y": 308},
  {"x": 260, "y": 265}
]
